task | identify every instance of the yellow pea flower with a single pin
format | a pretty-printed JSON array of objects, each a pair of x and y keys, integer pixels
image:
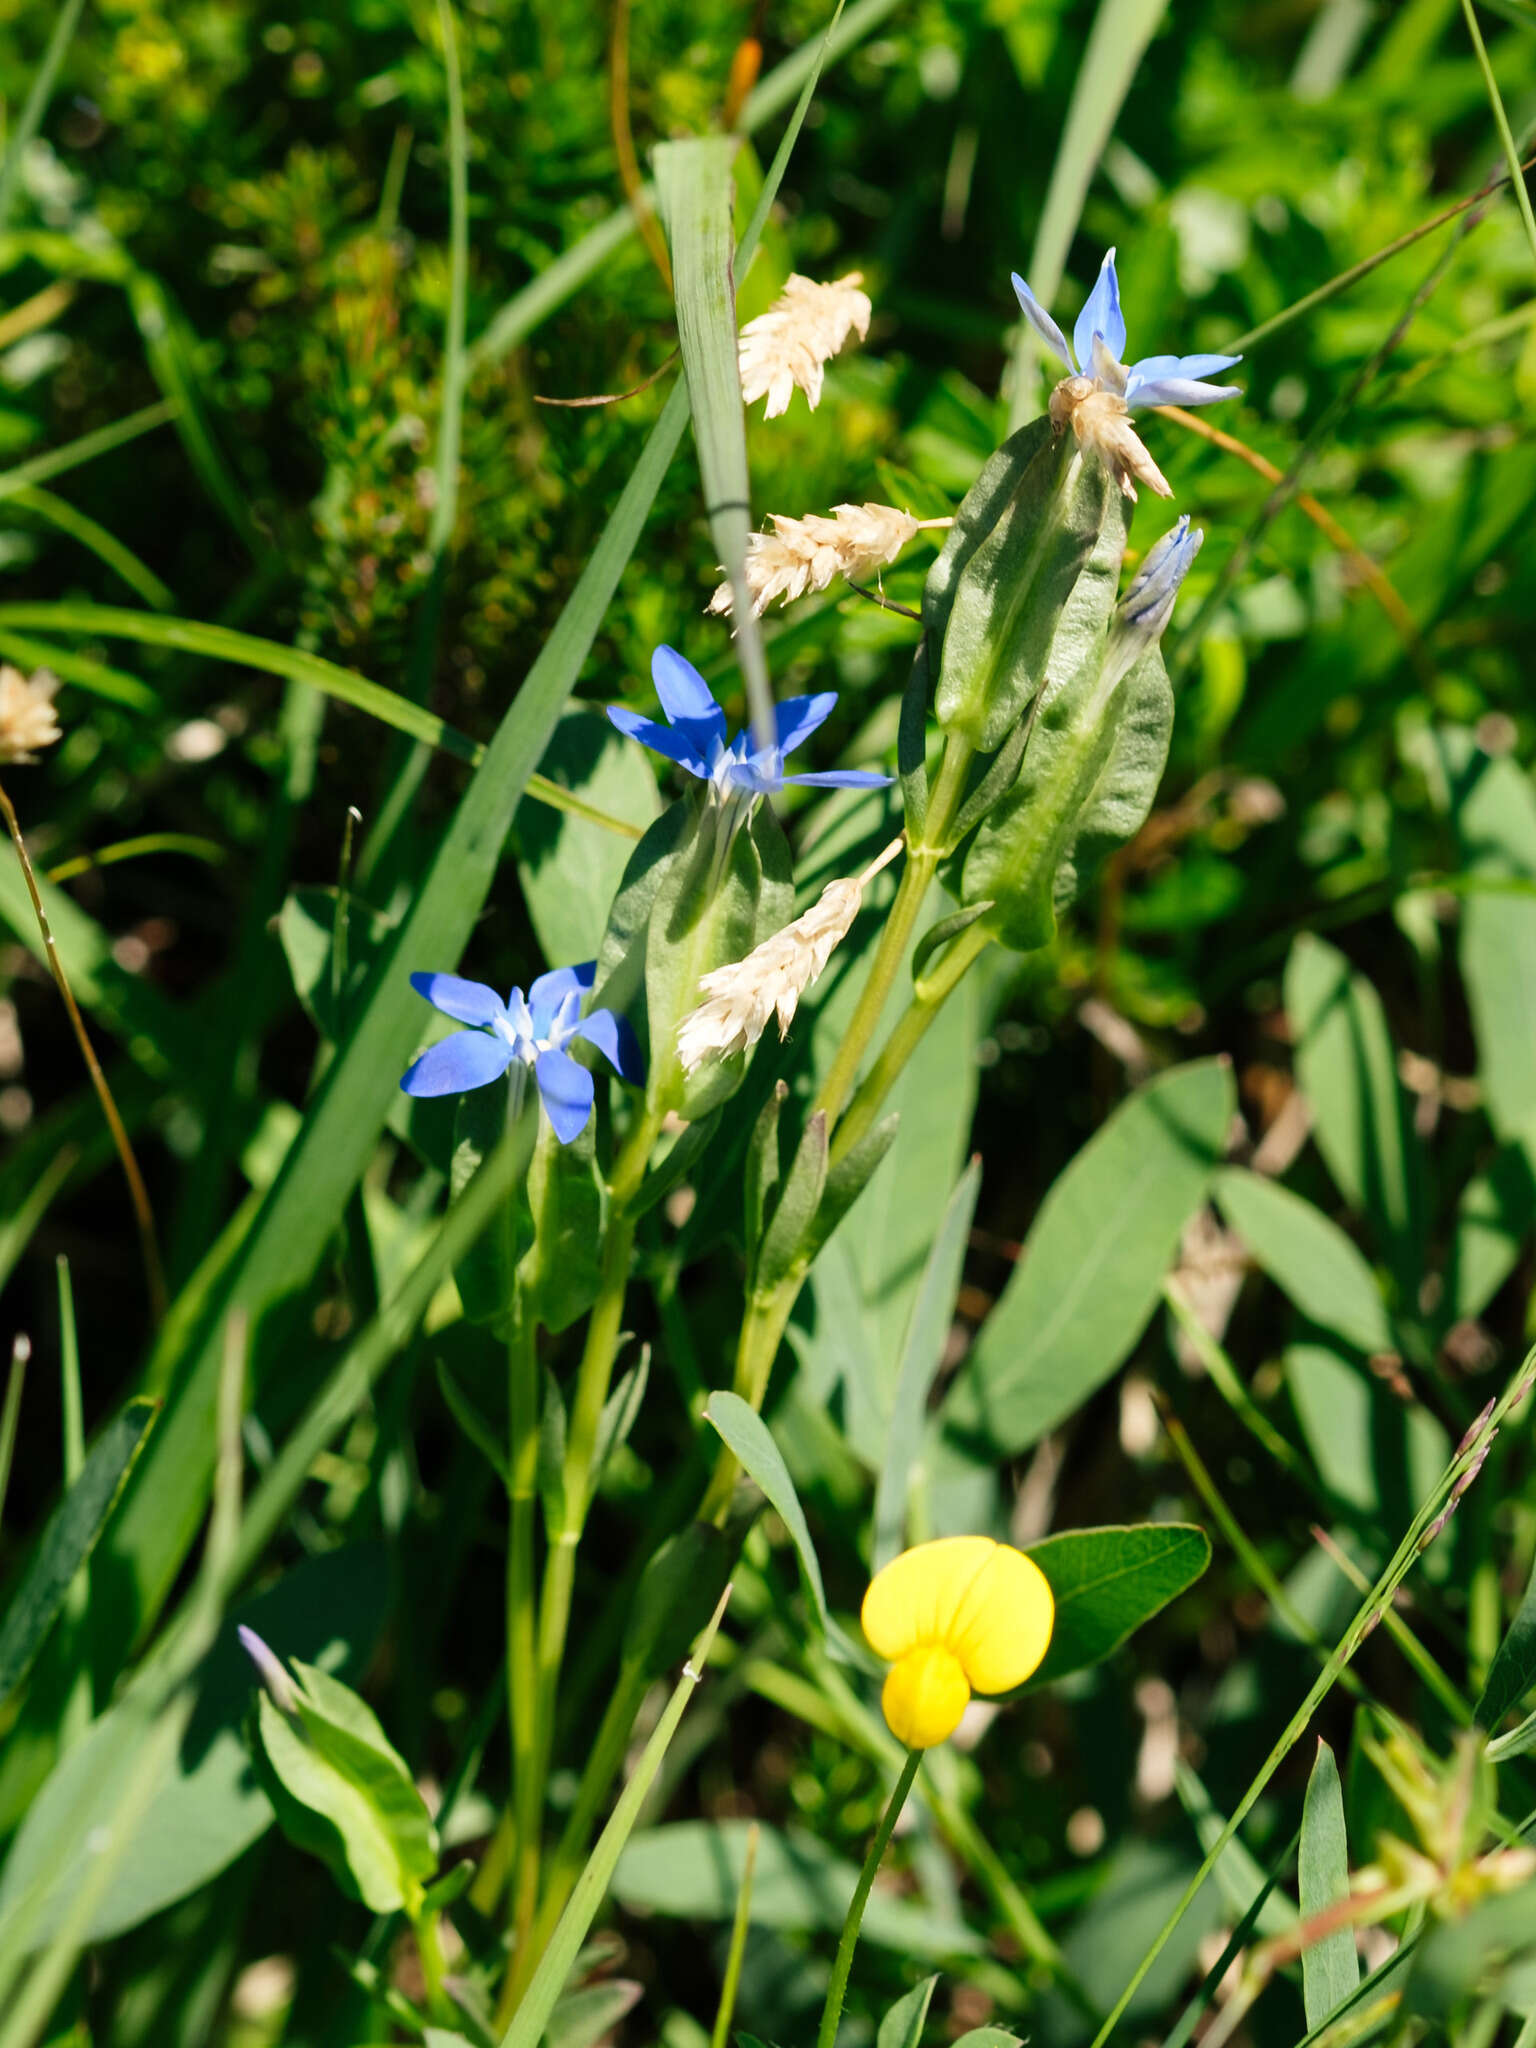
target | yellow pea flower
[{"x": 961, "y": 1615}]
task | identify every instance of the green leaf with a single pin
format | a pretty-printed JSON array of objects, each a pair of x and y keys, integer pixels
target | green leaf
[
  {"x": 1493, "y": 1222},
  {"x": 692, "y": 1870},
  {"x": 1308, "y": 1256},
  {"x": 922, "y": 1354},
  {"x": 1108, "y": 1582},
  {"x": 209, "y": 1809},
  {"x": 333, "y": 1760},
  {"x": 1021, "y": 539},
  {"x": 902, "y": 2026},
  {"x": 1371, "y": 1452},
  {"x": 1497, "y": 824},
  {"x": 794, "y": 1212},
  {"x": 1513, "y": 1670},
  {"x": 569, "y": 867},
  {"x": 583, "y": 2017},
  {"x": 745, "y": 1432},
  {"x": 568, "y": 1206},
  {"x": 697, "y": 924},
  {"x": 1242, "y": 1879},
  {"x": 677, "y": 1593},
  {"x": 1093, "y": 1264},
  {"x": 1330, "y": 1968},
  {"x": 72, "y": 1533},
  {"x": 485, "y": 1276},
  {"x": 306, "y": 929},
  {"x": 1488, "y": 1953},
  {"x": 1347, "y": 1065},
  {"x": 693, "y": 193}
]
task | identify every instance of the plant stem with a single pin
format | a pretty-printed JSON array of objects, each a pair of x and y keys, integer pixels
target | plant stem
[
  {"x": 522, "y": 1656},
  {"x": 154, "y": 1272},
  {"x": 832, "y": 2011},
  {"x": 923, "y": 856},
  {"x": 722, "y": 2028}
]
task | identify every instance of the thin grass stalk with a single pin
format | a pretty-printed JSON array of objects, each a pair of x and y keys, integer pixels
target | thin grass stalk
[
  {"x": 1365, "y": 1619},
  {"x": 144, "y": 1216},
  {"x": 1501, "y": 122},
  {"x": 66, "y": 21},
  {"x": 10, "y": 1415},
  {"x": 79, "y": 1705},
  {"x": 720, "y": 2034},
  {"x": 832, "y": 2010}
]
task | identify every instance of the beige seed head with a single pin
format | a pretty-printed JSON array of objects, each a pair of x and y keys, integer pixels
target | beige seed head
[
  {"x": 790, "y": 344},
  {"x": 773, "y": 977},
  {"x": 1101, "y": 421},
  {"x": 28, "y": 720},
  {"x": 805, "y": 554}
]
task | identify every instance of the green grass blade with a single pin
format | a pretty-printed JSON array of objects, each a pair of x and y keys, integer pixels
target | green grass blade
[
  {"x": 57, "y": 461},
  {"x": 72, "y": 1533},
  {"x": 84, "y": 670},
  {"x": 38, "y": 96},
  {"x": 693, "y": 183},
  {"x": 450, "y": 424},
  {"x": 106, "y": 547},
  {"x": 1501, "y": 122},
  {"x": 1330, "y": 1969},
  {"x": 532, "y": 2015},
  {"x": 10, "y": 1415},
  {"x": 1116, "y": 45},
  {"x": 246, "y": 650}
]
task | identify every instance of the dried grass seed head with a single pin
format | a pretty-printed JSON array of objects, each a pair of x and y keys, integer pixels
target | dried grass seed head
[
  {"x": 802, "y": 555},
  {"x": 792, "y": 342},
  {"x": 28, "y": 720}
]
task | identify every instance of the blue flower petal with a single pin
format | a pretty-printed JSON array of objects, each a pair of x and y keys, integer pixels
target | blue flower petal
[
  {"x": 467, "y": 1002},
  {"x": 798, "y": 717},
  {"x": 567, "y": 1090},
  {"x": 1151, "y": 367},
  {"x": 838, "y": 778},
  {"x": 615, "y": 1039},
  {"x": 1101, "y": 315},
  {"x": 1176, "y": 391},
  {"x": 685, "y": 696},
  {"x": 676, "y": 742},
  {"x": 551, "y": 989},
  {"x": 465, "y": 1059},
  {"x": 1042, "y": 322}
]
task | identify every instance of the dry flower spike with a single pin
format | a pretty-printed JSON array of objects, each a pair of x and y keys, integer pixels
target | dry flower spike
[
  {"x": 800, "y": 555},
  {"x": 28, "y": 720},
  {"x": 791, "y": 343},
  {"x": 774, "y": 976}
]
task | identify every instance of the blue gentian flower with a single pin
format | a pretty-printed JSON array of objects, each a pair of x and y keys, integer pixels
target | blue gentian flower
[
  {"x": 1142, "y": 615},
  {"x": 1098, "y": 349},
  {"x": 534, "y": 1032},
  {"x": 694, "y": 737}
]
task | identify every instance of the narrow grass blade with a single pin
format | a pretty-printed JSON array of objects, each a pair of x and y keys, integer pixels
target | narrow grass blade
[
  {"x": 1330, "y": 1968},
  {"x": 21, "y": 476},
  {"x": 1501, "y": 122},
  {"x": 112, "y": 684},
  {"x": 451, "y": 416},
  {"x": 693, "y": 181},
  {"x": 10, "y": 1416},
  {"x": 72, "y": 1533},
  {"x": 38, "y": 95},
  {"x": 106, "y": 547},
  {"x": 1116, "y": 45},
  {"x": 532, "y": 2015},
  {"x": 246, "y": 650}
]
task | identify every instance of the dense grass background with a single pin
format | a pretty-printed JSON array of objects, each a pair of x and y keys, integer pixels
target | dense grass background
[{"x": 248, "y": 215}]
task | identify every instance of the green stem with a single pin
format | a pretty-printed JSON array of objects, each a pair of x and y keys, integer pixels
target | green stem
[
  {"x": 911, "y": 1026},
  {"x": 434, "y": 1969},
  {"x": 832, "y": 2011},
  {"x": 722, "y": 2029},
  {"x": 923, "y": 856},
  {"x": 522, "y": 1655},
  {"x": 578, "y": 1481}
]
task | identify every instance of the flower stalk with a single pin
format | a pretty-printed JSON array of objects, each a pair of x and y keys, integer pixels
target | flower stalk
[{"x": 832, "y": 2011}]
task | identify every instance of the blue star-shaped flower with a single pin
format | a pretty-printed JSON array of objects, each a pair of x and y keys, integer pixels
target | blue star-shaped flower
[
  {"x": 694, "y": 736},
  {"x": 1098, "y": 346},
  {"x": 535, "y": 1032}
]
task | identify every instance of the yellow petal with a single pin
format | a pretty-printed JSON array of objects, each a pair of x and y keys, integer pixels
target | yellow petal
[
  {"x": 915, "y": 1598},
  {"x": 1002, "y": 1627},
  {"x": 924, "y": 1696}
]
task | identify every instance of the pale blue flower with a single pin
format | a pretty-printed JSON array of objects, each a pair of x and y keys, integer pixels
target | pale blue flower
[
  {"x": 534, "y": 1032},
  {"x": 694, "y": 736},
  {"x": 1098, "y": 349},
  {"x": 1142, "y": 615}
]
